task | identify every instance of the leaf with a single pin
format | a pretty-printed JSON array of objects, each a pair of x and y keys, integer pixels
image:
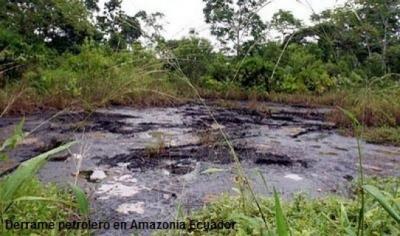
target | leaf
[
  {"x": 3, "y": 157},
  {"x": 81, "y": 199},
  {"x": 213, "y": 171},
  {"x": 384, "y": 201},
  {"x": 16, "y": 137},
  {"x": 350, "y": 116},
  {"x": 250, "y": 222},
  {"x": 282, "y": 228},
  {"x": 25, "y": 172},
  {"x": 33, "y": 198},
  {"x": 344, "y": 220}
]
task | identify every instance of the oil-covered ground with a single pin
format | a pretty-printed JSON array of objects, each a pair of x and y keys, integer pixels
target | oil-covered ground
[{"x": 143, "y": 164}]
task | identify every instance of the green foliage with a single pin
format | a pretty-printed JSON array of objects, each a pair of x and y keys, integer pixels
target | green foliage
[
  {"x": 304, "y": 72},
  {"x": 25, "y": 199},
  {"x": 329, "y": 215},
  {"x": 254, "y": 71},
  {"x": 119, "y": 28},
  {"x": 383, "y": 135},
  {"x": 282, "y": 228},
  {"x": 222, "y": 68},
  {"x": 285, "y": 22},
  {"x": 11, "y": 142},
  {"x": 388, "y": 203},
  {"x": 298, "y": 71},
  {"x": 373, "y": 107},
  {"x": 49, "y": 204},
  {"x": 191, "y": 56},
  {"x": 235, "y": 22},
  {"x": 97, "y": 74},
  {"x": 81, "y": 199},
  {"x": 26, "y": 171},
  {"x": 59, "y": 24},
  {"x": 365, "y": 30}
]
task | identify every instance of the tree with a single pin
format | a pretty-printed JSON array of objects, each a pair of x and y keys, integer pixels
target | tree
[
  {"x": 31, "y": 30},
  {"x": 60, "y": 24},
  {"x": 235, "y": 23},
  {"x": 91, "y": 5},
  {"x": 285, "y": 23},
  {"x": 381, "y": 23},
  {"x": 151, "y": 27},
  {"x": 120, "y": 29},
  {"x": 192, "y": 56},
  {"x": 364, "y": 29}
]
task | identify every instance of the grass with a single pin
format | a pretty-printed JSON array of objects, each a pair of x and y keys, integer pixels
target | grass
[
  {"x": 61, "y": 209},
  {"x": 94, "y": 78},
  {"x": 377, "y": 109},
  {"x": 330, "y": 215},
  {"x": 24, "y": 199},
  {"x": 373, "y": 107},
  {"x": 331, "y": 98},
  {"x": 383, "y": 135}
]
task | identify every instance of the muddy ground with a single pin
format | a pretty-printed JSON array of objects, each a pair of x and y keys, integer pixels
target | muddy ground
[{"x": 143, "y": 163}]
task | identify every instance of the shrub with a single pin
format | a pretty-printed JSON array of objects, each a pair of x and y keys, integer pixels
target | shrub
[
  {"x": 191, "y": 55},
  {"x": 254, "y": 72},
  {"x": 222, "y": 68}
]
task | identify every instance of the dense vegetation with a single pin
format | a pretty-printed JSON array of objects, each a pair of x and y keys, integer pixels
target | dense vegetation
[
  {"x": 74, "y": 53},
  {"x": 63, "y": 53},
  {"x": 323, "y": 216}
]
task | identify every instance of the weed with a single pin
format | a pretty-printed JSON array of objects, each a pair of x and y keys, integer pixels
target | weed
[
  {"x": 24, "y": 199},
  {"x": 330, "y": 215},
  {"x": 383, "y": 135}
]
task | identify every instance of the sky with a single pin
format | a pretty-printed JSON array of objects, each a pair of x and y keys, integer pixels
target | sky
[{"x": 182, "y": 15}]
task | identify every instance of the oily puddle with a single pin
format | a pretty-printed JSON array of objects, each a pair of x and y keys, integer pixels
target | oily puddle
[{"x": 143, "y": 163}]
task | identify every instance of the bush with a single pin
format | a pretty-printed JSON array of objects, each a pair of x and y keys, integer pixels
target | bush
[
  {"x": 393, "y": 57},
  {"x": 222, "y": 68},
  {"x": 254, "y": 72},
  {"x": 190, "y": 55},
  {"x": 302, "y": 71},
  {"x": 373, "y": 66},
  {"x": 96, "y": 74}
]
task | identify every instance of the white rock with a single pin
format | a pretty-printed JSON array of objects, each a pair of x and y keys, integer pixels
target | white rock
[
  {"x": 216, "y": 126},
  {"x": 114, "y": 189},
  {"x": 128, "y": 208},
  {"x": 294, "y": 177},
  {"x": 98, "y": 175},
  {"x": 165, "y": 172},
  {"x": 127, "y": 178}
]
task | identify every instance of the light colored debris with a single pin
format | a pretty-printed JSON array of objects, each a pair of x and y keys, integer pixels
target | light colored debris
[
  {"x": 114, "y": 189},
  {"x": 293, "y": 177},
  {"x": 128, "y": 208},
  {"x": 98, "y": 175}
]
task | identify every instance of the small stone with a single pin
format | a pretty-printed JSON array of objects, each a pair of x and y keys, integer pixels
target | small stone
[
  {"x": 216, "y": 126},
  {"x": 128, "y": 208},
  {"x": 165, "y": 172},
  {"x": 294, "y": 177},
  {"x": 98, "y": 175},
  {"x": 373, "y": 168}
]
